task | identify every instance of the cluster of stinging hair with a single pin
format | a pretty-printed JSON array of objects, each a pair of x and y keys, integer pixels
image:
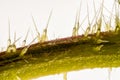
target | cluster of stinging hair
[{"x": 92, "y": 28}]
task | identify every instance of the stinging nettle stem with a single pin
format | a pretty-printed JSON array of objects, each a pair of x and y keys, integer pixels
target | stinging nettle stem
[{"x": 24, "y": 50}]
